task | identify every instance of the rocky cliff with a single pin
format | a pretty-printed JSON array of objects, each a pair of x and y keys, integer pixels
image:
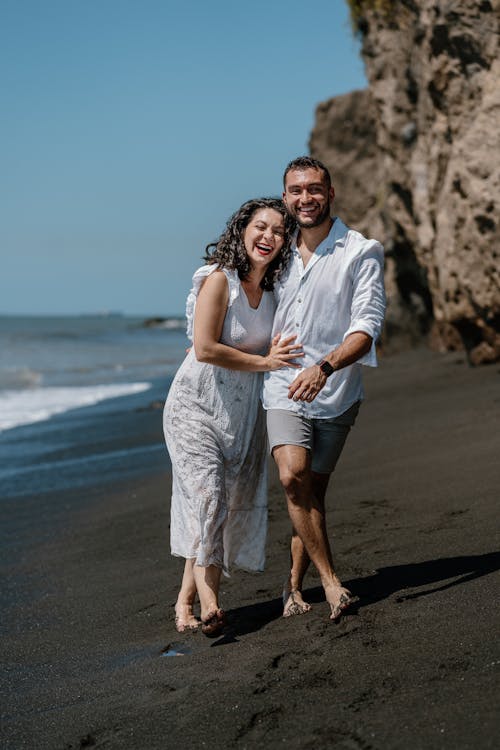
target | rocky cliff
[{"x": 416, "y": 163}]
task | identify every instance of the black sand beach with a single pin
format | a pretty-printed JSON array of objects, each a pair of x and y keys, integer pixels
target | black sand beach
[{"x": 89, "y": 587}]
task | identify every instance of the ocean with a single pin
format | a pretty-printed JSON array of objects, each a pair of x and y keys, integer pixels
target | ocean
[{"x": 76, "y": 396}]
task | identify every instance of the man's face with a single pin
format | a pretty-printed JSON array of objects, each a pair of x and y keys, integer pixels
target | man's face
[{"x": 307, "y": 197}]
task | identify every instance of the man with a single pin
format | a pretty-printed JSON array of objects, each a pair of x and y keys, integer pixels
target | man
[{"x": 332, "y": 297}]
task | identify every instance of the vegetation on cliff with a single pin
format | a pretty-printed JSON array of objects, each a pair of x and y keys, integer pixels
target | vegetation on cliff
[{"x": 359, "y": 8}]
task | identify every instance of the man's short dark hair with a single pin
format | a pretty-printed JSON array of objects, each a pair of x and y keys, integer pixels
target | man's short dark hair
[{"x": 307, "y": 162}]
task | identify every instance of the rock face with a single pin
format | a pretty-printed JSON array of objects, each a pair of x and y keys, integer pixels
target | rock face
[{"x": 416, "y": 163}]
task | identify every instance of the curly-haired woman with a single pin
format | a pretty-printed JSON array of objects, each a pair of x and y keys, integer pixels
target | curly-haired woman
[{"x": 213, "y": 420}]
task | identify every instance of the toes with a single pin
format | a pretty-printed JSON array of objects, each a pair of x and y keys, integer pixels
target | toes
[
  {"x": 346, "y": 600},
  {"x": 214, "y": 623},
  {"x": 185, "y": 627},
  {"x": 189, "y": 624},
  {"x": 293, "y": 607}
]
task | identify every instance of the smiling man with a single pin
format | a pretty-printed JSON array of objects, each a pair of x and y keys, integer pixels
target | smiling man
[{"x": 332, "y": 297}]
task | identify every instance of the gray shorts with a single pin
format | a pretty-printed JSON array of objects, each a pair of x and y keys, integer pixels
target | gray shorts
[{"x": 324, "y": 438}]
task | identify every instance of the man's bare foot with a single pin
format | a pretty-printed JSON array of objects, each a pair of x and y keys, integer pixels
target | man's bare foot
[
  {"x": 184, "y": 619},
  {"x": 339, "y": 599},
  {"x": 293, "y": 603},
  {"x": 213, "y": 624}
]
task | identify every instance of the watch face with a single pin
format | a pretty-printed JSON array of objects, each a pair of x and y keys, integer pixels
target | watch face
[{"x": 326, "y": 367}]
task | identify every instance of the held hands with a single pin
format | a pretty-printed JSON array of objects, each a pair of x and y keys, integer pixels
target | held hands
[
  {"x": 307, "y": 385},
  {"x": 282, "y": 352}
]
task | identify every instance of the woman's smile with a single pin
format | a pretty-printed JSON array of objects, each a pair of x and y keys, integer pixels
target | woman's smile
[{"x": 264, "y": 249}]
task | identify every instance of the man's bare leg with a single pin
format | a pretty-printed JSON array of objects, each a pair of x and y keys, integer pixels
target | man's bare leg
[
  {"x": 320, "y": 486},
  {"x": 293, "y": 601},
  {"x": 307, "y": 514},
  {"x": 184, "y": 617}
]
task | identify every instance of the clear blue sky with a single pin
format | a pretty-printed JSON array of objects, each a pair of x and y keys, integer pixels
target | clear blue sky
[{"x": 131, "y": 130}]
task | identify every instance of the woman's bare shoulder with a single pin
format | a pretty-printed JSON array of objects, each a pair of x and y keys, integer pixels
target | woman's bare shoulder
[{"x": 215, "y": 285}]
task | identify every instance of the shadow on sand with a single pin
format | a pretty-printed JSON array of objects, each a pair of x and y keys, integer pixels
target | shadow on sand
[{"x": 382, "y": 584}]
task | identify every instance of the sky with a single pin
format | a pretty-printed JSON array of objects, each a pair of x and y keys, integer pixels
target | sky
[{"x": 132, "y": 129}]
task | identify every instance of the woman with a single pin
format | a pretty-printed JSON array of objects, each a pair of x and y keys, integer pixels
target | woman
[{"x": 213, "y": 420}]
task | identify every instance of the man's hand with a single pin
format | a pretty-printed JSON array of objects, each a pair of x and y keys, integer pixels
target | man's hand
[{"x": 308, "y": 384}]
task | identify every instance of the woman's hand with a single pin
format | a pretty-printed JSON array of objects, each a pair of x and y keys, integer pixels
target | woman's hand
[{"x": 282, "y": 352}]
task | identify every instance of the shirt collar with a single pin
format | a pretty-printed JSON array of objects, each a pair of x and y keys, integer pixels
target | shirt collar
[{"x": 336, "y": 236}]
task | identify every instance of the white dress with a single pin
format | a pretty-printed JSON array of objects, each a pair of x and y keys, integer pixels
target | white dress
[{"x": 214, "y": 428}]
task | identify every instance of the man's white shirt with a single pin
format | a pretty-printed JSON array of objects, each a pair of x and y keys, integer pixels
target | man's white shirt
[{"x": 340, "y": 291}]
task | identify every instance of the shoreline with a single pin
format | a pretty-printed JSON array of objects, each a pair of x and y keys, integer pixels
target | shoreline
[
  {"x": 412, "y": 515},
  {"x": 87, "y": 446}
]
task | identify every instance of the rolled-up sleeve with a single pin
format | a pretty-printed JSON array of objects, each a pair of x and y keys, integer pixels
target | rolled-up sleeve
[{"x": 368, "y": 298}]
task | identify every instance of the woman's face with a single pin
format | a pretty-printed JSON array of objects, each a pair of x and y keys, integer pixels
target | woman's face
[{"x": 264, "y": 236}]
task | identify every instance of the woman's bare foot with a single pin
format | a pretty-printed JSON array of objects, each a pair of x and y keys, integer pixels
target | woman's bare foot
[
  {"x": 293, "y": 603},
  {"x": 184, "y": 619},
  {"x": 339, "y": 599},
  {"x": 213, "y": 624}
]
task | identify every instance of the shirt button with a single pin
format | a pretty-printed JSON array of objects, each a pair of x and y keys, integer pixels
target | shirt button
[
  {"x": 299, "y": 300},
  {"x": 297, "y": 324}
]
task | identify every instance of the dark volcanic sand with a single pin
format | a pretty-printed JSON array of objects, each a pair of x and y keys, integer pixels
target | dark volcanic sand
[{"x": 413, "y": 517}]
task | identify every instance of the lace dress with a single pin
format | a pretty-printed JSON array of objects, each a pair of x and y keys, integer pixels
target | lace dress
[{"x": 214, "y": 428}]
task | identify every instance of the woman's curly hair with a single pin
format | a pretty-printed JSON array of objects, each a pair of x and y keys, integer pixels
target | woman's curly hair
[{"x": 229, "y": 250}]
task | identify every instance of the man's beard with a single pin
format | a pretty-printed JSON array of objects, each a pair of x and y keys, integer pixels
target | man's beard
[{"x": 317, "y": 222}]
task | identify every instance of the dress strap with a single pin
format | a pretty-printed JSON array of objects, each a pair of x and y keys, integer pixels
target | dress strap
[{"x": 198, "y": 278}]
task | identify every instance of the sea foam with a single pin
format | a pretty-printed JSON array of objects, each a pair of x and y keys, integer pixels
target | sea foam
[{"x": 38, "y": 404}]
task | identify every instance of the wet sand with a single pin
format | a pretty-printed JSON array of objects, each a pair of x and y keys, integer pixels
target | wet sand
[{"x": 89, "y": 588}]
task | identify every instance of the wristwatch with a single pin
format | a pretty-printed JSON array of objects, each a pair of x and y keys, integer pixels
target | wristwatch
[{"x": 325, "y": 367}]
